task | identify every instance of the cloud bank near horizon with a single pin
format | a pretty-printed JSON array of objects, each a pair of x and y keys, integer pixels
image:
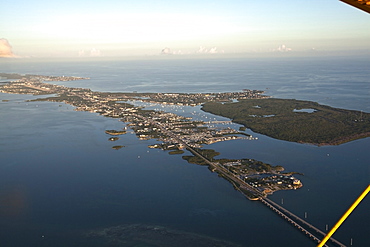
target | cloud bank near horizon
[
  {"x": 6, "y": 48},
  {"x": 201, "y": 50}
]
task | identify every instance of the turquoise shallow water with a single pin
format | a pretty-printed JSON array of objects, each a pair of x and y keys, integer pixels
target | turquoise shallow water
[{"x": 60, "y": 178}]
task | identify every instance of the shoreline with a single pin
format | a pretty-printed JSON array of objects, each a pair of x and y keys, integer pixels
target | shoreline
[{"x": 279, "y": 119}]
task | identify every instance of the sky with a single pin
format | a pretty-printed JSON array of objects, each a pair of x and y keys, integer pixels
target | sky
[{"x": 81, "y": 28}]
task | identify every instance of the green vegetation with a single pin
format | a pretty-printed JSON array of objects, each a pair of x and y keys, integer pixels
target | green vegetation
[
  {"x": 208, "y": 153},
  {"x": 278, "y": 118},
  {"x": 266, "y": 177},
  {"x": 117, "y": 147},
  {"x": 11, "y": 76},
  {"x": 176, "y": 152},
  {"x": 242, "y": 128},
  {"x": 115, "y": 133},
  {"x": 244, "y": 165}
]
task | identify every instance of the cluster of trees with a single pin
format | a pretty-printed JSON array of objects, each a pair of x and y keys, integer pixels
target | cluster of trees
[
  {"x": 279, "y": 118},
  {"x": 208, "y": 153}
]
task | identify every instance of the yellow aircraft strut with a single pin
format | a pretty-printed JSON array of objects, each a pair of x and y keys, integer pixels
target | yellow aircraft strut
[{"x": 344, "y": 217}]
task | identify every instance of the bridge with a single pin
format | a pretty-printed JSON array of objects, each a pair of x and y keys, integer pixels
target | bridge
[
  {"x": 287, "y": 215},
  {"x": 264, "y": 201},
  {"x": 244, "y": 187}
]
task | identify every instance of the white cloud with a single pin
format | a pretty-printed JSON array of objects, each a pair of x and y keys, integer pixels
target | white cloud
[
  {"x": 201, "y": 50},
  {"x": 179, "y": 52},
  {"x": 204, "y": 50},
  {"x": 92, "y": 53},
  {"x": 6, "y": 49},
  {"x": 166, "y": 51},
  {"x": 213, "y": 50},
  {"x": 95, "y": 53},
  {"x": 283, "y": 48}
]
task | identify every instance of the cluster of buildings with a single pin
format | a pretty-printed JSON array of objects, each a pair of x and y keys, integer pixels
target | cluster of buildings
[
  {"x": 176, "y": 132},
  {"x": 33, "y": 84},
  {"x": 193, "y": 133},
  {"x": 263, "y": 177},
  {"x": 194, "y": 99}
]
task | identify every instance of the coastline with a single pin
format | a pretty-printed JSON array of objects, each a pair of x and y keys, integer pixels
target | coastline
[{"x": 279, "y": 119}]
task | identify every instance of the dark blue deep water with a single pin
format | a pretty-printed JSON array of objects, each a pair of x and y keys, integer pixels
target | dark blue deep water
[{"x": 60, "y": 178}]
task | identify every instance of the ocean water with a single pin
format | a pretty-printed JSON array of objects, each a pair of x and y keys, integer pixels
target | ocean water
[{"x": 60, "y": 179}]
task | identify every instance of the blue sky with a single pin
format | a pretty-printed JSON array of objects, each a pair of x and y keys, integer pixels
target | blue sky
[{"x": 142, "y": 27}]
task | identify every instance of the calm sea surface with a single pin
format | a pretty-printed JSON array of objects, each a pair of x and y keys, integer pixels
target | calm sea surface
[{"x": 60, "y": 178}]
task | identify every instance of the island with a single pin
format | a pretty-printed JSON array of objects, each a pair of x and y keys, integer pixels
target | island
[
  {"x": 115, "y": 132},
  {"x": 175, "y": 133},
  {"x": 262, "y": 176},
  {"x": 295, "y": 120},
  {"x": 284, "y": 119}
]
